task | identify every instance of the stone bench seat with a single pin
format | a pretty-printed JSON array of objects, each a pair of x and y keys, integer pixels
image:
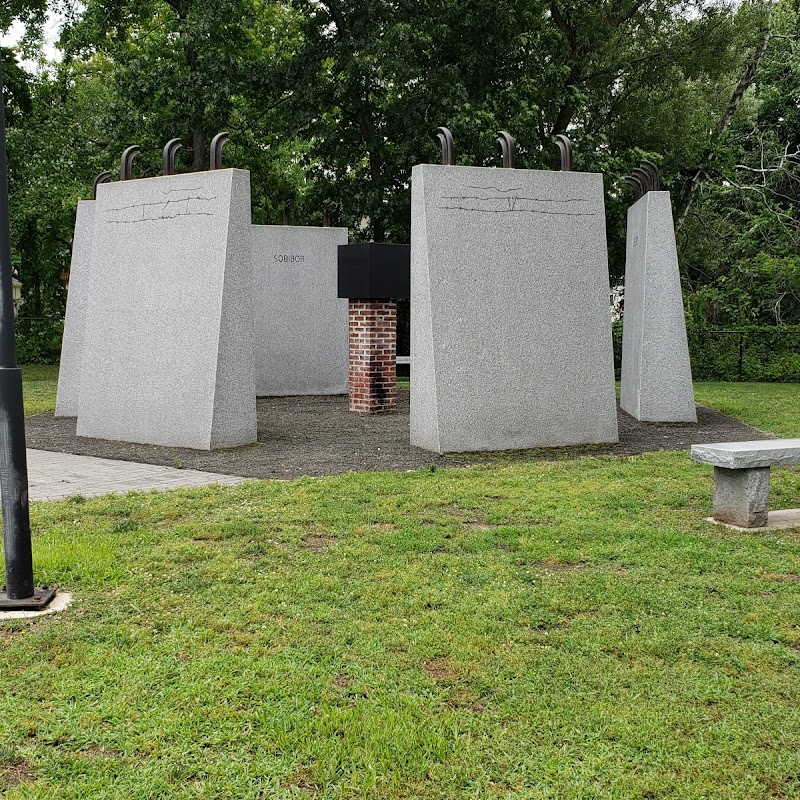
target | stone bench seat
[{"x": 741, "y": 477}]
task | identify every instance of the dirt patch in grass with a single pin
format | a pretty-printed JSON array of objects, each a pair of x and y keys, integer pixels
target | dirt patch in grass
[
  {"x": 440, "y": 670},
  {"x": 479, "y": 526},
  {"x": 786, "y": 577},
  {"x": 319, "y": 436},
  {"x": 559, "y": 566},
  {"x": 208, "y": 536},
  {"x": 472, "y": 519},
  {"x": 317, "y": 543},
  {"x": 458, "y": 513},
  {"x": 304, "y": 782},
  {"x": 342, "y": 682},
  {"x": 18, "y": 772}
]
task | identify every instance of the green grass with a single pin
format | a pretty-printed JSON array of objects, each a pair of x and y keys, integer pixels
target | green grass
[
  {"x": 39, "y": 388},
  {"x": 560, "y": 630},
  {"x": 771, "y": 407}
]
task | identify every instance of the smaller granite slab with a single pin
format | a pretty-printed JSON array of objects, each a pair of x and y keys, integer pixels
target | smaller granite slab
[
  {"x": 301, "y": 335},
  {"x": 749, "y": 455},
  {"x": 69, "y": 371},
  {"x": 656, "y": 377}
]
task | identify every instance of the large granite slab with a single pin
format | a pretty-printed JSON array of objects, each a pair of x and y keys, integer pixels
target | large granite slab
[
  {"x": 69, "y": 371},
  {"x": 656, "y": 379},
  {"x": 510, "y": 324},
  {"x": 301, "y": 336},
  {"x": 168, "y": 353}
]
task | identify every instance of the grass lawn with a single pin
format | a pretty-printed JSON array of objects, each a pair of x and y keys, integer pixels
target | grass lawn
[
  {"x": 772, "y": 407},
  {"x": 39, "y": 388},
  {"x": 560, "y": 630}
]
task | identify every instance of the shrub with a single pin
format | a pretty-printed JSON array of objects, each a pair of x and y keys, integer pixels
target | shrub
[
  {"x": 753, "y": 353},
  {"x": 39, "y": 340}
]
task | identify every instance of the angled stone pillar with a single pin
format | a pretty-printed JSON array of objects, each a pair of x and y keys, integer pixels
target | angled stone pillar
[
  {"x": 69, "y": 371},
  {"x": 168, "y": 350},
  {"x": 510, "y": 323},
  {"x": 656, "y": 383}
]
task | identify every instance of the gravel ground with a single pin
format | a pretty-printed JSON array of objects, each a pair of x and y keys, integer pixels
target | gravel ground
[{"x": 319, "y": 436}]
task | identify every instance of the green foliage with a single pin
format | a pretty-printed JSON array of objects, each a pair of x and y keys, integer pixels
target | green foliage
[
  {"x": 761, "y": 290},
  {"x": 755, "y": 354},
  {"x": 739, "y": 245},
  {"x": 31, "y": 13},
  {"x": 332, "y": 103},
  {"x": 39, "y": 340},
  {"x": 742, "y": 353}
]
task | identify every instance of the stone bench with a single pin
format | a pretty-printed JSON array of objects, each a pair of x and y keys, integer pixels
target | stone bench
[{"x": 741, "y": 477}]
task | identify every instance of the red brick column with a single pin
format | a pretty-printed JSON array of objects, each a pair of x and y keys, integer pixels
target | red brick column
[{"x": 373, "y": 351}]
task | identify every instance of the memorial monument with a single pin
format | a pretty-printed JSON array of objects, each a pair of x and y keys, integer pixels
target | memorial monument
[
  {"x": 168, "y": 350},
  {"x": 511, "y": 342},
  {"x": 301, "y": 342},
  {"x": 69, "y": 371},
  {"x": 656, "y": 380}
]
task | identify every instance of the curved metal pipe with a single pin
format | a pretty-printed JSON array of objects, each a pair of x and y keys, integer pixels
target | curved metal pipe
[
  {"x": 170, "y": 152},
  {"x": 446, "y": 140},
  {"x": 507, "y": 147},
  {"x": 217, "y": 143},
  {"x": 126, "y": 162},
  {"x": 636, "y": 185},
  {"x": 565, "y": 148},
  {"x": 103, "y": 177},
  {"x": 655, "y": 176},
  {"x": 644, "y": 178}
]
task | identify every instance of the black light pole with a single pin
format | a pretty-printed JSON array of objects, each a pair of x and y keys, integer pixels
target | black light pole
[{"x": 20, "y": 593}]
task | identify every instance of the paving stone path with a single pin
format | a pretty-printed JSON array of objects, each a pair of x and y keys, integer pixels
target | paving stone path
[{"x": 54, "y": 476}]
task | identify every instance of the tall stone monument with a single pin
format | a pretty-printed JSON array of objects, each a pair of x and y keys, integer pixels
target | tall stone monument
[
  {"x": 168, "y": 351},
  {"x": 69, "y": 371},
  {"x": 656, "y": 380},
  {"x": 301, "y": 341},
  {"x": 511, "y": 342}
]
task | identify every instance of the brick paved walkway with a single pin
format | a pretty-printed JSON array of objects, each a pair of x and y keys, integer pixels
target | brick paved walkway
[{"x": 54, "y": 476}]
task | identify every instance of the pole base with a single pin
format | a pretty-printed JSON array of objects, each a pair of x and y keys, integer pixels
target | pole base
[{"x": 41, "y": 599}]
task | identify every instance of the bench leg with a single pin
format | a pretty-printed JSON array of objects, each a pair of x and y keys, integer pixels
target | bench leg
[{"x": 741, "y": 496}]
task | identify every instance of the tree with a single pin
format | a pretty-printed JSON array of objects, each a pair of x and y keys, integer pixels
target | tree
[{"x": 32, "y": 13}]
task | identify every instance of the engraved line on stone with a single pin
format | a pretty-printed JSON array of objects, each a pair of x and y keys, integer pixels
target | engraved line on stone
[
  {"x": 519, "y": 210},
  {"x": 159, "y": 203},
  {"x": 156, "y": 219},
  {"x": 495, "y": 188},
  {"x": 518, "y": 197}
]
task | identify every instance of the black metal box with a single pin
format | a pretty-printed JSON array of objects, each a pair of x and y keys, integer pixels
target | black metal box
[{"x": 375, "y": 271}]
